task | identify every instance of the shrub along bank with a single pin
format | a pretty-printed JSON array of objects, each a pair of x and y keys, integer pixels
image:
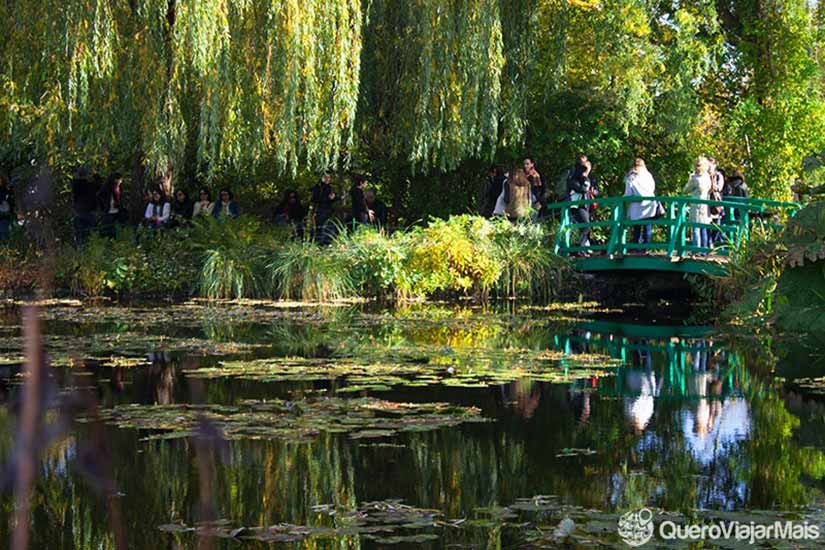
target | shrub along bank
[
  {"x": 776, "y": 279},
  {"x": 243, "y": 258}
]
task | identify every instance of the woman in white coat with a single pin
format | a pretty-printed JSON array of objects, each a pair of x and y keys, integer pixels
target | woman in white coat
[
  {"x": 640, "y": 183},
  {"x": 698, "y": 186}
]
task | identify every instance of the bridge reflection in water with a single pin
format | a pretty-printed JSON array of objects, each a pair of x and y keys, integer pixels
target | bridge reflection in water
[{"x": 677, "y": 367}]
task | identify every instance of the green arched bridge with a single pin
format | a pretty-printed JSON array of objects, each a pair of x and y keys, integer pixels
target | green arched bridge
[{"x": 612, "y": 247}]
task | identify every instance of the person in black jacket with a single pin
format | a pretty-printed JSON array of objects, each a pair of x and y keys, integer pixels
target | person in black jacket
[
  {"x": 181, "y": 209},
  {"x": 84, "y": 201},
  {"x": 360, "y": 211},
  {"x": 6, "y": 207},
  {"x": 323, "y": 199},
  {"x": 378, "y": 208},
  {"x": 495, "y": 187},
  {"x": 109, "y": 201},
  {"x": 290, "y": 211},
  {"x": 578, "y": 187},
  {"x": 735, "y": 186}
]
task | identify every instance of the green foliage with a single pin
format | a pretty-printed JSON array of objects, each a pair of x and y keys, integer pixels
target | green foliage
[
  {"x": 423, "y": 93},
  {"x": 233, "y": 255},
  {"x": 242, "y": 258},
  {"x": 452, "y": 256},
  {"x": 147, "y": 263},
  {"x": 778, "y": 278},
  {"x": 801, "y": 287},
  {"x": 376, "y": 261},
  {"x": 302, "y": 270},
  {"x": 86, "y": 273},
  {"x": 528, "y": 265},
  {"x": 746, "y": 294}
]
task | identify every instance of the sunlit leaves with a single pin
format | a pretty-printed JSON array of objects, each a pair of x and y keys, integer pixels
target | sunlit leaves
[{"x": 240, "y": 83}]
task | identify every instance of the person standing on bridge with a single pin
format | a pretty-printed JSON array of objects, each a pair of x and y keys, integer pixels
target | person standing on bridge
[
  {"x": 640, "y": 183},
  {"x": 578, "y": 188},
  {"x": 698, "y": 186}
]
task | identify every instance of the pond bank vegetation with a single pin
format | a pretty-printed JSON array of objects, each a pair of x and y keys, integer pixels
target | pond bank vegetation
[{"x": 245, "y": 259}]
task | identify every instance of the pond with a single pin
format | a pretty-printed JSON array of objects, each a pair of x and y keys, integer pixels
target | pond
[{"x": 252, "y": 425}]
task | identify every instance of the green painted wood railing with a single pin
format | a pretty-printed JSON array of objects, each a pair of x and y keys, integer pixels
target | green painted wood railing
[{"x": 734, "y": 227}]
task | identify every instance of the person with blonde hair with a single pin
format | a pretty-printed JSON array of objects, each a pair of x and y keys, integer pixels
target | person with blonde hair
[
  {"x": 517, "y": 196},
  {"x": 640, "y": 183},
  {"x": 698, "y": 186}
]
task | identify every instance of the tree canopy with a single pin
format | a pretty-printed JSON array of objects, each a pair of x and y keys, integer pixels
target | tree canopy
[{"x": 219, "y": 88}]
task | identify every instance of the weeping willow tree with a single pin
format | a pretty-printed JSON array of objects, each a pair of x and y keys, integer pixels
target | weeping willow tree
[
  {"x": 433, "y": 77},
  {"x": 429, "y": 87},
  {"x": 216, "y": 82}
]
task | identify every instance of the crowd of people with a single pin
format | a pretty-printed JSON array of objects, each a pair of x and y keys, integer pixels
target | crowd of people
[
  {"x": 524, "y": 192},
  {"x": 100, "y": 206},
  {"x": 518, "y": 194}
]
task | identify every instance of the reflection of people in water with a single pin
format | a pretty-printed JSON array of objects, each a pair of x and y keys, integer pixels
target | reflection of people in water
[
  {"x": 524, "y": 395},
  {"x": 642, "y": 388},
  {"x": 163, "y": 374},
  {"x": 713, "y": 421},
  {"x": 581, "y": 406}
]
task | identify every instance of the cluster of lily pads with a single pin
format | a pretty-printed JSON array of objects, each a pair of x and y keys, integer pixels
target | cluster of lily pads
[
  {"x": 540, "y": 521},
  {"x": 303, "y": 419}
]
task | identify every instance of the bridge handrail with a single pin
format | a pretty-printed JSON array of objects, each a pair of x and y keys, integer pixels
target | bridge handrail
[
  {"x": 732, "y": 229},
  {"x": 753, "y": 205}
]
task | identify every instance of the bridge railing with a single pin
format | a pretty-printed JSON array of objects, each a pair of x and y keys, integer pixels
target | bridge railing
[{"x": 733, "y": 228}]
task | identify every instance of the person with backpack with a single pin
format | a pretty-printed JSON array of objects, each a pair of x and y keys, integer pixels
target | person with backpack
[
  {"x": 578, "y": 188},
  {"x": 640, "y": 183}
]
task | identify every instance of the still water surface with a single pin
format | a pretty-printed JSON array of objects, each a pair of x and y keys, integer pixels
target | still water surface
[{"x": 547, "y": 413}]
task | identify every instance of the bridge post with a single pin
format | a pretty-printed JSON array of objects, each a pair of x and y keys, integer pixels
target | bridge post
[{"x": 619, "y": 226}]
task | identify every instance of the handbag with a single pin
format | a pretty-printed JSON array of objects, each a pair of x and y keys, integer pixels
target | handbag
[{"x": 660, "y": 210}]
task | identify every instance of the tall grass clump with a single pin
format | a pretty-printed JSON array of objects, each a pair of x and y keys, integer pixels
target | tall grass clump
[
  {"x": 529, "y": 268},
  {"x": 301, "y": 270},
  {"x": 234, "y": 254}
]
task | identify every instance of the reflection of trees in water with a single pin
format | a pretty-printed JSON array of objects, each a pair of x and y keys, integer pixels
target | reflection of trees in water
[
  {"x": 774, "y": 465},
  {"x": 457, "y": 472}
]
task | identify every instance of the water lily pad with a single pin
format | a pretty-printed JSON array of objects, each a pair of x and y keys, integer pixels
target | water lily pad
[{"x": 278, "y": 419}]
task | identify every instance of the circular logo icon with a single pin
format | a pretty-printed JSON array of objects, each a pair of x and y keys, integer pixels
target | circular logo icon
[{"x": 636, "y": 527}]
